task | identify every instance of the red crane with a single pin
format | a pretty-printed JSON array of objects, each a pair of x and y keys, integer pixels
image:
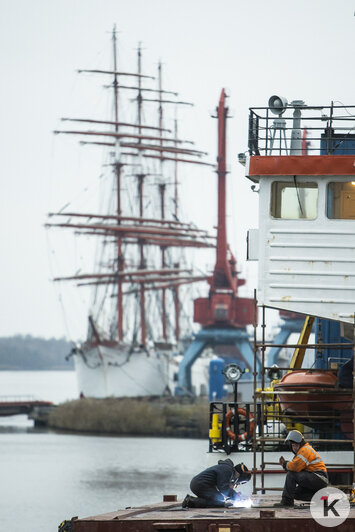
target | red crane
[
  {"x": 223, "y": 315},
  {"x": 223, "y": 307}
]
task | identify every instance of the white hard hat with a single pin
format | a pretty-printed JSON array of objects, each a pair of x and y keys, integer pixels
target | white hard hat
[{"x": 294, "y": 436}]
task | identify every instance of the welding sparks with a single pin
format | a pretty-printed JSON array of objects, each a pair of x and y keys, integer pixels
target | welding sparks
[{"x": 243, "y": 503}]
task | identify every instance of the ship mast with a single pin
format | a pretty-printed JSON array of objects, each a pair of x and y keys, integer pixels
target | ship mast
[
  {"x": 176, "y": 265},
  {"x": 117, "y": 169},
  {"x": 140, "y": 178},
  {"x": 162, "y": 187}
]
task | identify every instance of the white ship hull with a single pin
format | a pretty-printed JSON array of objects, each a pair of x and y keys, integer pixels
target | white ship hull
[{"x": 115, "y": 372}]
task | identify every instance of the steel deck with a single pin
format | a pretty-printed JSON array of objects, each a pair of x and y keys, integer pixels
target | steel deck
[{"x": 262, "y": 517}]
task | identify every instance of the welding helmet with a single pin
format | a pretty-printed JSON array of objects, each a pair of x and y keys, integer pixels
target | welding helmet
[
  {"x": 244, "y": 475},
  {"x": 294, "y": 436}
]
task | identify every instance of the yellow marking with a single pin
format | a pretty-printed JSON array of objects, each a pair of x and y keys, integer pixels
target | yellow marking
[{"x": 299, "y": 352}]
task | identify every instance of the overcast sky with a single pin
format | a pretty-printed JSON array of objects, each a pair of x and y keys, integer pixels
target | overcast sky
[{"x": 302, "y": 50}]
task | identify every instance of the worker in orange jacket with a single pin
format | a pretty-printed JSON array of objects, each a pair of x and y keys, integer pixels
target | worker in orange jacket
[{"x": 306, "y": 473}]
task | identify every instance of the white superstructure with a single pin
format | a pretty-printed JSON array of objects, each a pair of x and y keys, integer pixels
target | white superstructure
[{"x": 305, "y": 243}]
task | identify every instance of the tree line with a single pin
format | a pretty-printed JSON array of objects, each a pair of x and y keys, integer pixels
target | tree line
[{"x": 29, "y": 353}]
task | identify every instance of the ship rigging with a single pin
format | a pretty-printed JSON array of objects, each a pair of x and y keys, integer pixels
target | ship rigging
[{"x": 148, "y": 275}]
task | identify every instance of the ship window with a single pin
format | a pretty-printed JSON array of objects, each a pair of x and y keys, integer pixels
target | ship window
[
  {"x": 341, "y": 200},
  {"x": 292, "y": 200}
]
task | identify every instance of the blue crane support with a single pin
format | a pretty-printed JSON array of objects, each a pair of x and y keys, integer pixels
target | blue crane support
[{"x": 213, "y": 336}]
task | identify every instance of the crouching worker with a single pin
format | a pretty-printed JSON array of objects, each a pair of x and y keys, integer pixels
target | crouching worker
[
  {"x": 215, "y": 486},
  {"x": 306, "y": 473}
]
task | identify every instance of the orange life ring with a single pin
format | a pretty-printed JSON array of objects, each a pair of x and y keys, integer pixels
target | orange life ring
[{"x": 230, "y": 416}]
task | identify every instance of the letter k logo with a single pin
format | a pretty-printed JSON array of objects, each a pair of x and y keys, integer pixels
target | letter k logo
[{"x": 329, "y": 507}]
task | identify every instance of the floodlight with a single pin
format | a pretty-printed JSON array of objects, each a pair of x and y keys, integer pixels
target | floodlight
[{"x": 232, "y": 373}]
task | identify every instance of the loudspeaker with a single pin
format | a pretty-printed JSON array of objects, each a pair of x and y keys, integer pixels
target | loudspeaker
[{"x": 278, "y": 104}]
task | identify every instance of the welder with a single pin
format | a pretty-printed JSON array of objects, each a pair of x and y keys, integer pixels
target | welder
[
  {"x": 216, "y": 485},
  {"x": 306, "y": 473}
]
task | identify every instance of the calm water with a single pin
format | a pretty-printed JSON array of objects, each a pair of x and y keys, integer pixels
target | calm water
[
  {"x": 56, "y": 386},
  {"x": 47, "y": 477}
]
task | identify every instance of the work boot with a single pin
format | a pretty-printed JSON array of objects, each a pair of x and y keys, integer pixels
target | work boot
[
  {"x": 284, "y": 504},
  {"x": 185, "y": 502}
]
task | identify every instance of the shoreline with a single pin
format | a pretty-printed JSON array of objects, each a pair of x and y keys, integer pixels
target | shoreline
[{"x": 163, "y": 417}]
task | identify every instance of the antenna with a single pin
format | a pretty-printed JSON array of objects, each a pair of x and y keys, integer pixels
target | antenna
[{"x": 296, "y": 135}]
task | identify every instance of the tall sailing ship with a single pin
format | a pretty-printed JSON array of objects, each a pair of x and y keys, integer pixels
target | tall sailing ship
[{"x": 142, "y": 283}]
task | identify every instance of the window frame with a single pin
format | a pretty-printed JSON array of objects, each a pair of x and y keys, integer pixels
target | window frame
[
  {"x": 275, "y": 204},
  {"x": 338, "y": 200}
]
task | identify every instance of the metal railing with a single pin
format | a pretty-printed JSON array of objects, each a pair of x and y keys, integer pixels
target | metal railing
[
  {"x": 302, "y": 130},
  {"x": 237, "y": 426},
  {"x": 18, "y": 399}
]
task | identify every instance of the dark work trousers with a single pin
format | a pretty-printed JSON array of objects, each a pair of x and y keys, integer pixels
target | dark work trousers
[
  {"x": 207, "y": 496},
  {"x": 302, "y": 486}
]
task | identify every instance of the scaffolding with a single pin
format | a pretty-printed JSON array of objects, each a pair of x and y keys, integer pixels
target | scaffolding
[
  {"x": 261, "y": 426},
  {"x": 282, "y": 408}
]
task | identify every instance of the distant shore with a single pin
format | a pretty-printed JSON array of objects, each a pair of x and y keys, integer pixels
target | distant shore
[
  {"x": 29, "y": 353},
  {"x": 163, "y": 417}
]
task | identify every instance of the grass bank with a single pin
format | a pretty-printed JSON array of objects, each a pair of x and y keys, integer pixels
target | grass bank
[{"x": 167, "y": 417}]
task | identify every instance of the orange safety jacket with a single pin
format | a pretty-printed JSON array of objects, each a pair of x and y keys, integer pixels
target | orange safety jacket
[{"x": 307, "y": 459}]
